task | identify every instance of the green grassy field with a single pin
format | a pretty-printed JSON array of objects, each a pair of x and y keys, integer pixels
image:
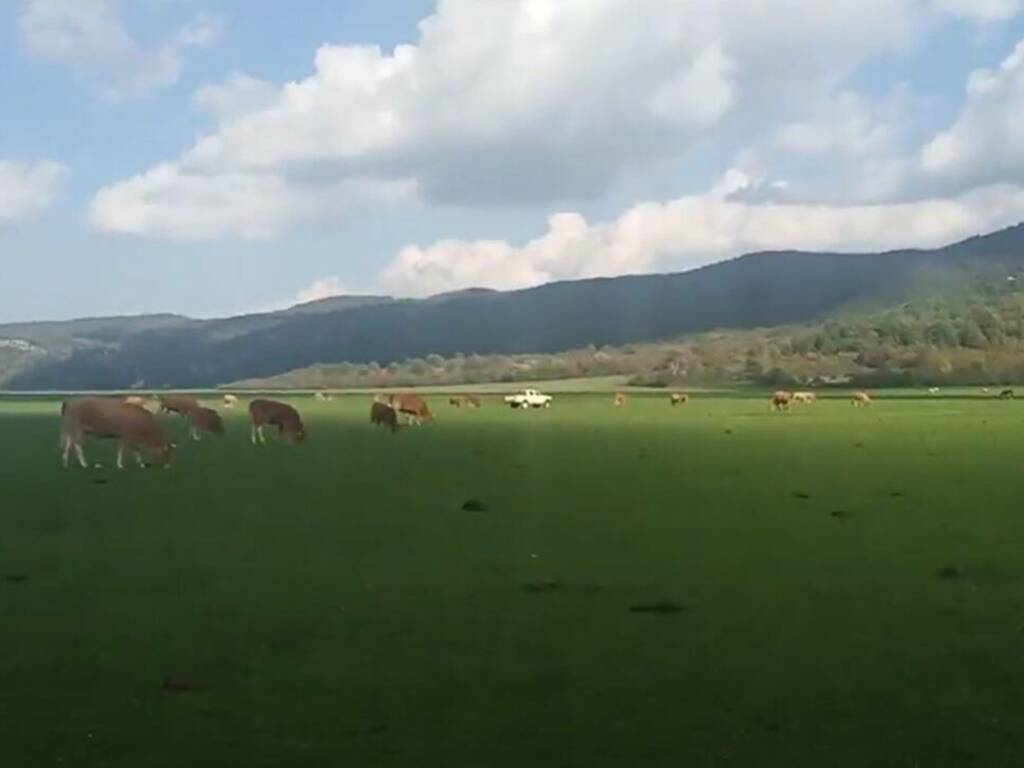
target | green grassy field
[{"x": 332, "y": 603}]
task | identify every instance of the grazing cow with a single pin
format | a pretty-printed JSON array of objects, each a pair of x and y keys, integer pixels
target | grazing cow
[
  {"x": 323, "y": 397},
  {"x": 413, "y": 406},
  {"x": 1006, "y": 394},
  {"x": 620, "y": 399},
  {"x": 457, "y": 401},
  {"x": 805, "y": 398},
  {"x": 471, "y": 401},
  {"x": 230, "y": 401},
  {"x": 134, "y": 428},
  {"x": 281, "y": 415},
  {"x": 179, "y": 404},
  {"x": 204, "y": 420},
  {"x": 933, "y": 390},
  {"x": 678, "y": 398},
  {"x": 141, "y": 402},
  {"x": 861, "y": 399},
  {"x": 781, "y": 401},
  {"x": 384, "y": 414}
]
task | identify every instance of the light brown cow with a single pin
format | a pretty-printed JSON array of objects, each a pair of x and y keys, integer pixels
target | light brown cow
[
  {"x": 323, "y": 397},
  {"x": 204, "y": 420},
  {"x": 781, "y": 400},
  {"x": 134, "y": 428},
  {"x": 383, "y": 414},
  {"x": 281, "y": 415},
  {"x": 678, "y": 398},
  {"x": 805, "y": 398},
  {"x": 471, "y": 401},
  {"x": 230, "y": 401},
  {"x": 413, "y": 406},
  {"x": 861, "y": 399},
  {"x": 620, "y": 398},
  {"x": 143, "y": 402},
  {"x": 179, "y": 404},
  {"x": 457, "y": 400}
]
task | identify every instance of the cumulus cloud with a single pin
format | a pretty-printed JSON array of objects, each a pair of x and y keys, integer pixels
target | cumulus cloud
[
  {"x": 517, "y": 101},
  {"x": 985, "y": 144},
  {"x": 693, "y": 231},
  {"x": 28, "y": 189},
  {"x": 165, "y": 202},
  {"x": 90, "y": 36}
]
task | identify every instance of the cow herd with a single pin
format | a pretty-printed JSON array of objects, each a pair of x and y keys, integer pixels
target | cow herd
[{"x": 131, "y": 422}]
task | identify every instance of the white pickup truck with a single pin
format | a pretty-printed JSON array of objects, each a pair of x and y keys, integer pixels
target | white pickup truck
[{"x": 528, "y": 398}]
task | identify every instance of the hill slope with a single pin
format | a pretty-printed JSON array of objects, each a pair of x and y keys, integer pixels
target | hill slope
[{"x": 757, "y": 290}]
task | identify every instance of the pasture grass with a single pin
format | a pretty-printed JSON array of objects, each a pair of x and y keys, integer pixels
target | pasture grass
[{"x": 708, "y": 585}]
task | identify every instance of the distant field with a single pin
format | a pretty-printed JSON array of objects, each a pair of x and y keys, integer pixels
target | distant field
[{"x": 709, "y": 585}]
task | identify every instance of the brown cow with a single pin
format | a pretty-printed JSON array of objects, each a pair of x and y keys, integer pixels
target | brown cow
[
  {"x": 179, "y": 404},
  {"x": 281, "y": 415},
  {"x": 413, "y": 406},
  {"x": 143, "y": 402},
  {"x": 471, "y": 401},
  {"x": 204, "y": 420},
  {"x": 861, "y": 399},
  {"x": 382, "y": 413},
  {"x": 620, "y": 399},
  {"x": 781, "y": 401},
  {"x": 678, "y": 398},
  {"x": 134, "y": 428},
  {"x": 805, "y": 398},
  {"x": 457, "y": 401}
]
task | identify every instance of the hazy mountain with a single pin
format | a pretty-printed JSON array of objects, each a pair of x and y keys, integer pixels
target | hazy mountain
[{"x": 757, "y": 290}]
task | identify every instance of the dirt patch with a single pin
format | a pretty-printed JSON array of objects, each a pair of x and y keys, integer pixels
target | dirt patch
[
  {"x": 658, "y": 606},
  {"x": 474, "y": 505}
]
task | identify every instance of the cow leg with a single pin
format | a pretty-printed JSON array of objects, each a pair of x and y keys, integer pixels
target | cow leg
[
  {"x": 120, "y": 454},
  {"x": 66, "y": 448},
  {"x": 81, "y": 456},
  {"x": 139, "y": 461},
  {"x": 252, "y": 434},
  {"x": 259, "y": 432}
]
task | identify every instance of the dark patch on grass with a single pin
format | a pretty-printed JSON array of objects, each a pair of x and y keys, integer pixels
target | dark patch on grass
[
  {"x": 728, "y": 431},
  {"x": 840, "y": 514},
  {"x": 536, "y": 587},
  {"x": 180, "y": 685},
  {"x": 800, "y": 495},
  {"x": 474, "y": 505},
  {"x": 16, "y": 578},
  {"x": 896, "y": 494},
  {"x": 858, "y": 445},
  {"x": 658, "y": 606},
  {"x": 951, "y": 573},
  {"x": 100, "y": 481}
]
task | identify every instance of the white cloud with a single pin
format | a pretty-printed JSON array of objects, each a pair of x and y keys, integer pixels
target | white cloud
[
  {"x": 986, "y": 142},
  {"x": 519, "y": 101},
  {"x": 28, "y": 189},
  {"x": 164, "y": 202},
  {"x": 693, "y": 231},
  {"x": 323, "y": 288},
  {"x": 90, "y": 36},
  {"x": 981, "y": 10}
]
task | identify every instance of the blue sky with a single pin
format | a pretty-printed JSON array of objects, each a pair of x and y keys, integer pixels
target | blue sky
[{"x": 211, "y": 157}]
